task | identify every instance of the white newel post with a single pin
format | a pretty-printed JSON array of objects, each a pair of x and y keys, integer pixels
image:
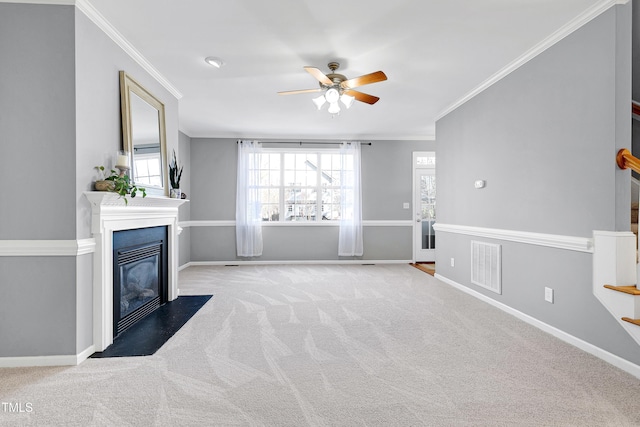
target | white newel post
[{"x": 109, "y": 213}]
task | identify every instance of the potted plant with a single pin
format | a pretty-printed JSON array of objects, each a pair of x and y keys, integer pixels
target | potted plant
[
  {"x": 175, "y": 173},
  {"x": 118, "y": 183}
]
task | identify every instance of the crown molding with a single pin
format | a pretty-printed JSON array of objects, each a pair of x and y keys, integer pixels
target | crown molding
[
  {"x": 101, "y": 22},
  {"x": 96, "y": 17},
  {"x": 573, "y": 25}
]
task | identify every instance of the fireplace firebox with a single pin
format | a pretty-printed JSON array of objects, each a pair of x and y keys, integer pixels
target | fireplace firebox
[{"x": 140, "y": 272}]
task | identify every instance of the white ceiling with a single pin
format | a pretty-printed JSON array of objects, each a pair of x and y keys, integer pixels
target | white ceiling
[{"x": 434, "y": 53}]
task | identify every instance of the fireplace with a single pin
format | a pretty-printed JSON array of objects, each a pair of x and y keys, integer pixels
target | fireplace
[
  {"x": 109, "y": 215},
  {"x": 139, "y": 274}
]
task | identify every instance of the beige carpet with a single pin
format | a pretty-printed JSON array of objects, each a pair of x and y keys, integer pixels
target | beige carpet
[{"x": 383, "y": 345}]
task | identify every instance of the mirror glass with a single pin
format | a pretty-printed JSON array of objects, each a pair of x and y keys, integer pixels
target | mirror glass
[{"x": 143, "y": 131}]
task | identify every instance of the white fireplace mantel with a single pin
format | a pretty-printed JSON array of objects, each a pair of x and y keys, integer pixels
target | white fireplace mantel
[{"x": 110, "y": 213}]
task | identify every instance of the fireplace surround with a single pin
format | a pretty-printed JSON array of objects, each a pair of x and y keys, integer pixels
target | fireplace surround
[{"x": 109, "y": 214}]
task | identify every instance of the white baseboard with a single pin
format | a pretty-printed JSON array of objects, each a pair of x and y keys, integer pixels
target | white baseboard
[
  {"x": 296, "y": 262},
  {"x": 598, "y": 352},
  {"x": 67, "y": 360}
]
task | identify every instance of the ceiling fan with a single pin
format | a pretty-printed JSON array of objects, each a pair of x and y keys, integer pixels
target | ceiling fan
[{"x": 338, "y": 87}]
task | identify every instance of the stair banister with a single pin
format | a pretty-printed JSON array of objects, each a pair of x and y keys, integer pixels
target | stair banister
[{"x": 626, "y": 160}]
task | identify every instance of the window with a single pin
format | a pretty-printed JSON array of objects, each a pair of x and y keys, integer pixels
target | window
[
  {"x": 147, "y": 169},
  {"x": 301, "y": 185}
]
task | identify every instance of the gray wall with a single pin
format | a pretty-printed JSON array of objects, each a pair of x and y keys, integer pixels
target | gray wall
[
  {"x": 635, "y": 85},
  {"x": 636, "y": 50},
  {"x": 184, "y": 159},
  {"x": 59, "y": 117},
  {"x": 545, "y": 138},
  {"x": 37, "y": 121},
  {"x": 37, "y": 134},
  {"x": 387, "y": 184}
]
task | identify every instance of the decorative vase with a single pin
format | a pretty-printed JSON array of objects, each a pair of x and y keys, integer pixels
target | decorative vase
[
  {"x": 102, "y": 185},
  {"x": 175, "y": 193}
]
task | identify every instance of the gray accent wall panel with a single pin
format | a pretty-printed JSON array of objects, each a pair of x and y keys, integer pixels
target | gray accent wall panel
[
  {"x": 84, "y": 302},
  {"x": 184, "y": 159},
  {"x": 299, "y": 243},
  {"x": 635, "y": 46},
  {"x": 38, "y": 306},
  {"x": 386, "y": 185},
  {"x": 544, "y": 138},
  {"x": 213, "y": 179},
  {"x": 387, "y": 175},
  {"x": 37, "y": 121},
  {"x": 538, "y": 137}
]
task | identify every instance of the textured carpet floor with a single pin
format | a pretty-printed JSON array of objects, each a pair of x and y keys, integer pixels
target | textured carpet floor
[{"x": 383, "y": 345}]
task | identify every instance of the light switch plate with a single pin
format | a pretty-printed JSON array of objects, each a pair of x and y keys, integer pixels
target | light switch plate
[{"x": 548, "y": 295}]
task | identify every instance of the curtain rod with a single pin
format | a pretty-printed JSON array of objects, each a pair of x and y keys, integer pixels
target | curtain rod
[{"x": 304, "y": 142}]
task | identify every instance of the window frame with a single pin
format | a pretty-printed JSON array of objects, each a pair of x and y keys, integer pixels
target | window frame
[{"x": 282, "y": 187}]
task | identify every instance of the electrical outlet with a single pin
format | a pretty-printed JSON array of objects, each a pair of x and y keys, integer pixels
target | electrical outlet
[
  {"x": 405, "y": 205},
  {"x": 548, "y": 295},
  {"x": 453, "y": 262}
]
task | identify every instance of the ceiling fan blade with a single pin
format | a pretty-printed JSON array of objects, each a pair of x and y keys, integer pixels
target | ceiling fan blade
[
  {"x": 319, "y": 75},
  {"x": 293, "y": 92},
  {"x": 362, "y": 97},
  {"x": 378, "y": 76}
]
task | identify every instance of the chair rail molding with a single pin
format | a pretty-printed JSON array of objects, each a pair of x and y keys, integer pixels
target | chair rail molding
[
  {"x": 365, "y": 223},
  {"x": 579, "y": 244},
  {"x": 25, "y": 248}
]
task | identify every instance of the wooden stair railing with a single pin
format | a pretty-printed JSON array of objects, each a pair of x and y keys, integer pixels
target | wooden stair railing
[
  {"x": 631, "y": 290},
  {"x": 626, "y": 160}
]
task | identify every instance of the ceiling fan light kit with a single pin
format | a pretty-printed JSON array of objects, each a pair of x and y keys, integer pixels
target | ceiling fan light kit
[{"x": 337, "y": 87}]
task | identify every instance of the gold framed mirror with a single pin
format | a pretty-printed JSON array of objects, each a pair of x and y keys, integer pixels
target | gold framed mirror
[{"x": 144, "y": 136}]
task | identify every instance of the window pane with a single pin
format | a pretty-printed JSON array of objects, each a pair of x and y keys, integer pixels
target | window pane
[
  {"x": 330, "y": 204},
  {"x": 300, "y": 204},
  {"x": 154, "y": 167},
  {"x": 147, "y": 169},
  {"x": 264, "y": 177},
  {"x": 331, "y": 170},
  {"x": 425, "y": 160},
  {"x": 142, "y": 169},
  {"x": 274, "y": 177},
  {"x": 311, "y": 178},
  {"x": 289, "y": 161},
  {"x": 294, "y": 186}
]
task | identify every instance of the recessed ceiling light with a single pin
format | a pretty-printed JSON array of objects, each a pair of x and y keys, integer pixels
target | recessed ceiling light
[{"x": 214, "y": 61}]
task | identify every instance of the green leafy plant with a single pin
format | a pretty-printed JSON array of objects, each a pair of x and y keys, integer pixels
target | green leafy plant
[
  {"x": 121, "y": 184},
  {"x": 175, "y": 172}
]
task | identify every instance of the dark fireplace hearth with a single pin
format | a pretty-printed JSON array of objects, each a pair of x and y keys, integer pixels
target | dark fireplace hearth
[{"x": 139, "y": 274}]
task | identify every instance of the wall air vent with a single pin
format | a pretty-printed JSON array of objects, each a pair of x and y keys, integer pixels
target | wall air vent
[{"x": 485, "y": 266}]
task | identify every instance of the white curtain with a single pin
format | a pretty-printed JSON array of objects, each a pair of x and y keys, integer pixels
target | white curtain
[
  {"x": 248, "y": 209},
  {"x": 350, "y": 237}
]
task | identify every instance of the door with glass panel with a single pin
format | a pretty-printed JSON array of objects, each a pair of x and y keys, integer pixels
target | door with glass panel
[{"x": 424, "y": 209}]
